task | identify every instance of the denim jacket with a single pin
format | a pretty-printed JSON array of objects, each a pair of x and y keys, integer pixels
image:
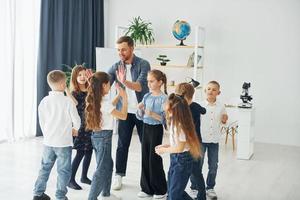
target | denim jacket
[{"x": 139, "y": 71}]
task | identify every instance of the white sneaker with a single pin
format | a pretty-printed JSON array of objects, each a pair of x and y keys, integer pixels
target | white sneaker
[
  {"x": 159, "y": 196},
  {"x": 111, "y": 197},
  {"x": 117, "y": 184},
  {"x": 142, "y": 194},
  {"x": 193, "y": 193},
  {"x": 211, "y": 193}
]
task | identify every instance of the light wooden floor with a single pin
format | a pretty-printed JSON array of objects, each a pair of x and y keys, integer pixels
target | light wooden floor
[{"x": 272, "y": 173}]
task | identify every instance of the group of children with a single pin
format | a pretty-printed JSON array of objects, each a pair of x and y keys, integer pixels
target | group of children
[{"x": 87, "y": 114}]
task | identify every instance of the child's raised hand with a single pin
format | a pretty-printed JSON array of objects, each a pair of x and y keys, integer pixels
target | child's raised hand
[{"x": 89, "y": 73}]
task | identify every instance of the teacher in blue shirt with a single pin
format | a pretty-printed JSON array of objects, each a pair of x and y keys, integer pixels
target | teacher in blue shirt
[{"x": 131, "y": 73}]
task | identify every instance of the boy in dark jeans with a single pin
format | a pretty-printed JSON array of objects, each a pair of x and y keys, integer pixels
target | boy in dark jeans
[{"x": 197, "y": 181}]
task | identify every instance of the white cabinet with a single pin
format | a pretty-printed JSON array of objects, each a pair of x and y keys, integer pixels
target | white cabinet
[{"x": 245, "y": 136}]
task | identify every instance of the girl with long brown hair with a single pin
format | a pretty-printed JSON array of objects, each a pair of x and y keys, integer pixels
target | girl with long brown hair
[
  {"x": 151, "y": 111},
  {"x": 183, "y": 148},
  {"x": 82, "y": 143},
  {"x": 99, "y": 118},
  {"x": 198, "y": 190}
]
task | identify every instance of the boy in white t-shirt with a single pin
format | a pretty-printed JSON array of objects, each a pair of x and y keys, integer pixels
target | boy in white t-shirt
[
  {"x": 58, "y": 118},
  {"x": 211, "y": 133}
]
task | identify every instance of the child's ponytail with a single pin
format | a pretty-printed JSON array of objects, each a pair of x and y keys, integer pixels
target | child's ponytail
[{"x": 93, "y": 115}]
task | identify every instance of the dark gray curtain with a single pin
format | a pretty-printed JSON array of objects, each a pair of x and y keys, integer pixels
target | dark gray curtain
[{"x": 69, "y": 32}]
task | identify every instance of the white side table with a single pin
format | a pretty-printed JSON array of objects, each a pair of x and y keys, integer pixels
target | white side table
[{"x": 245, "y": 136}]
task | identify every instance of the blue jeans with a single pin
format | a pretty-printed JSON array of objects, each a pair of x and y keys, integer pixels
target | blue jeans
[
  {"x": 125, "y": 128},
  {"x": 102, "y": 177},
  {"x": 213, "y": 159},
  {"x": 197, "y": 180},
  {"x": 63, "y": 155},
  {"x": 178, "y": 175}
]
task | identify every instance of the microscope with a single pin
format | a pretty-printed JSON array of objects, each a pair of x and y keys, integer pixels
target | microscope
[{"x": 245, "y": 97}]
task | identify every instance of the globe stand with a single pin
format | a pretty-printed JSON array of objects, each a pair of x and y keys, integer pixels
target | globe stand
[{"x": 181, "y": 43}]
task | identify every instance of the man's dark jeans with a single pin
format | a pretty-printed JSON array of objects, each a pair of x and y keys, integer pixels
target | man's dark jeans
[{"x": 125, "y": 129}]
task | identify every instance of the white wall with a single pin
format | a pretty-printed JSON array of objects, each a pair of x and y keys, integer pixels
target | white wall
[{"x": 246, "y": 40}]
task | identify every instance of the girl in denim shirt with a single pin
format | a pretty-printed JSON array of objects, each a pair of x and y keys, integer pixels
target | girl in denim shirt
[
  {"x": 99, "y": 114},
  {"x": 151, "y": 111},
  {"x": 183, "y": 148}
]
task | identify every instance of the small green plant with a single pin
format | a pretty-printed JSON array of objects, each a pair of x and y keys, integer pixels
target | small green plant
[
  {"x": 163, "y": 60},
  {"x": 140, "y": 31},
  {"x": 68, "y": 70}
]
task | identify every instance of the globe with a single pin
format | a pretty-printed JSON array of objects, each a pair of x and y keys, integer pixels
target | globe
[{"x": 181, "y": 29}]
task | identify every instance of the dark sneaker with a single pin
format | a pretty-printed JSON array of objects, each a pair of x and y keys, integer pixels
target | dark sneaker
[
  {"x": 42, "y": 197},
  {"x": 86, "y": 181},
  {"x": 74, "y": 185}
]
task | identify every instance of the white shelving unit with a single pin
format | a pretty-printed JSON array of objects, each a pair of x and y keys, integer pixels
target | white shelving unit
[{"x": 176, "y": 70}]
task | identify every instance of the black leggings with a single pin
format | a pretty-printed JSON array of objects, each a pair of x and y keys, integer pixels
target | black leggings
[{"x": 86, "y": 163}]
